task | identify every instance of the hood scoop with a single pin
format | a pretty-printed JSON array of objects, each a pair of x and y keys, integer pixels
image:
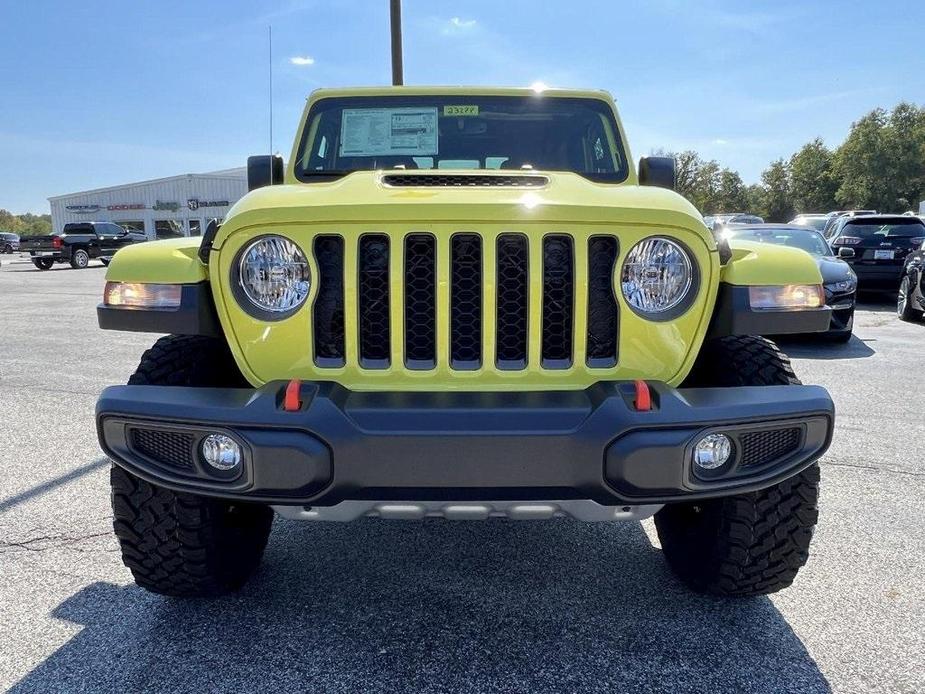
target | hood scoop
[{"x": 464, "y": 180}]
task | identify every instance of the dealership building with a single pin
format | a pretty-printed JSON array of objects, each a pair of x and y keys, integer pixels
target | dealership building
[{"x": 162, "y": 208}]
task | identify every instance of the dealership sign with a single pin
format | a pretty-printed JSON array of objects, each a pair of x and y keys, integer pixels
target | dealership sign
[
  {"x": 114, "y": 208},
  {"x": 82, "y": 209},
  {"x": 196, "y": 203},
  {"x": 166, "y": 206}
]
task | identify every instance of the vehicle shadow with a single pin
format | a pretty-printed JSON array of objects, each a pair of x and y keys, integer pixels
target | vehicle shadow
[
  {"x": 812, "y": 347},
  {"x": 435, "y": 606}
]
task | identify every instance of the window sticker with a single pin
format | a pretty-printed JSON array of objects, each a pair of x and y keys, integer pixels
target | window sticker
[
  {"x": 461, "y": 110},
  {"x": 369, "y": 132}
]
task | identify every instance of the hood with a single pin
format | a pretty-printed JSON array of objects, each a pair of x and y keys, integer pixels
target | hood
[
  {"x": 503, "y": 197},
  {"x": 834, "y": 269}
]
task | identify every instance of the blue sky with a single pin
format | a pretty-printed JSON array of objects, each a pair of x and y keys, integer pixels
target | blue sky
[{"x": 98, "y": 93}]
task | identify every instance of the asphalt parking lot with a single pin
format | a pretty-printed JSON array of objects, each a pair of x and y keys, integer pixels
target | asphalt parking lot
[{"x": 388, "y": 606}]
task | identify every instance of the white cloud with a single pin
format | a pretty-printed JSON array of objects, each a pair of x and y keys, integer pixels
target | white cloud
[
  {"x": 719, "y": 141},
  {"x": 302, "y": 60},
  {"x": 456, "y": 25}
]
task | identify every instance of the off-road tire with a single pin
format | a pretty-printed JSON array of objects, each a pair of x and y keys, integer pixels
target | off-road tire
[
  {"x": 188, "y": 360},
  {"x": 80, "y": 259},
  {"x": 176, "y": 543},
  {"x": 904, "y": 308},
  {"x": 747, "y": 544},
  {"x": 43, "y": 263}
]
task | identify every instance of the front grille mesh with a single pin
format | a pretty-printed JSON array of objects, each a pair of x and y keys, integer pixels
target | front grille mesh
[
  {"x": 558, "y": 301},
  {"x": 329, "y": 304},
  {"x": 762, "y": 447},
  {"x": 420, "y": 302},
  {"x": 602, "y": 307},
  {"x": 173, "y": 448},
  {"x": 513, "y": 286},
  {"x": 373, "y": 299},
  {"x": 464, "y": 301}
]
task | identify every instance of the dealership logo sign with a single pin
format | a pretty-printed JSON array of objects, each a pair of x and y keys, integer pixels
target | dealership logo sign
[
  {"x": 113, "y": 208},
  {"x": 196, "y": 203},
  {"x": 166, "y": 206},
  {"x": 82, "y": 209}
]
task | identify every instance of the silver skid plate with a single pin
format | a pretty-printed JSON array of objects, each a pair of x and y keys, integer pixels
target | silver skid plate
[{"x": 581, "y": 509}]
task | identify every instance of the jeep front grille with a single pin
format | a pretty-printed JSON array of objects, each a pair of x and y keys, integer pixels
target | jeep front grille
[{"x": 465, "y": 301}]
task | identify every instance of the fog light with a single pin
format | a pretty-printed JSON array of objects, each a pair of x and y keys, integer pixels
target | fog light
[
  {"x": 712, "y": 451},
  {"x": 221, "y": 452}
]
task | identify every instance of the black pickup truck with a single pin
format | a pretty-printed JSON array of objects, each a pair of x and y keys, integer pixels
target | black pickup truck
[{"x": 78, "y": 243}]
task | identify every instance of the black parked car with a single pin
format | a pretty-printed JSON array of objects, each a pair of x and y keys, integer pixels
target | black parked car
[
  {"x": 876, "y": 247},
  {"x": 838, "y": 278},
  {"x": 79, "y": 242},
  {"x": 9, "y": 242},
  {"x": 911, "y": 302}
]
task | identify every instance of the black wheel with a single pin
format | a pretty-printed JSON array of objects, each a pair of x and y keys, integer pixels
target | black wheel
[
  {"x": 8, "y": 248},
  {"x": 747, "y": 544},
  {"x": 43, "y": 263},
  {"x": 904, "y": 307},
  {"x": 177, "y": 543},
  {"x": 841, "y": 337},
  {"x": 80, "y": 259}
]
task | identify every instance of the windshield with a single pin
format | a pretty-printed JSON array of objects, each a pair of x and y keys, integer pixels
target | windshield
[
  {"x": 809, "y": 241},
  {"x": 817, "y": 223},
  {"x": 903, "y": 229},
  {"x": 461, "y": 132}
]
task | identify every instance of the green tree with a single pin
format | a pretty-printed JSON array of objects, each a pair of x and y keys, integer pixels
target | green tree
[
  {"x": 881, "y": 163},
  {"x": 733, "y": 195},
  {"x": 776, "y": 182},
  {"x": 812, "y": 178},
  {"x": 757, "y": 200},
  {"x": 27, "y": 224}
]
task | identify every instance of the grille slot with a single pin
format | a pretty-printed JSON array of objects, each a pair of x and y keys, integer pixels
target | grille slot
[
  {"x": 466, "y": 301},
  {"x": 602, "y": 307},
  {"x": 762, "y": 447},
  {"x": 329, "y": 304},
  {"x": 373, "y": 298},
  {"x": 172, "y": 448},
  {"x": 512, "y": 310},
  {"x": 558, "y": 301},
  {"x": 420, "y": 301},
  {"x": 465, "y": 181}
]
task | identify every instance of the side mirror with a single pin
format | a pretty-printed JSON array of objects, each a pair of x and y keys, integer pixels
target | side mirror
[
  {"x": 264, "y": 170},
  {"x": 845, "y": 252},
  {"x": 657, "y": 171}
]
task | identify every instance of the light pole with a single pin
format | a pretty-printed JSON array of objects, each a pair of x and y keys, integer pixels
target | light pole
[{"x": 395, "y": 22}]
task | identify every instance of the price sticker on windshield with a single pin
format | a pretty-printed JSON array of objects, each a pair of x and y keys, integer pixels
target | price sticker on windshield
[{"x": 461, "y": 110}]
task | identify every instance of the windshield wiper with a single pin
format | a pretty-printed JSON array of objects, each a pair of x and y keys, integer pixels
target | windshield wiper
[{"x": 332, "y": 173}]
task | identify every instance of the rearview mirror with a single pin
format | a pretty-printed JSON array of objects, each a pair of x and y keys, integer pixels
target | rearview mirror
[
  {"x": 844, "y": 252},
  {"x": 264, "y": 170},
  {"x": 657, "y": 171}
]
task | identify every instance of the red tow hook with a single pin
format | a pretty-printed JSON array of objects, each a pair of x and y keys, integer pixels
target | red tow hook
[
  {"x": 291, "y": 402},
  {"x": 643, "y": 397}
]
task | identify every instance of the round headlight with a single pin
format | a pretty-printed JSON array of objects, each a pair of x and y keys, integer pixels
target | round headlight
[
  {"x": 274, "y": 276},
  {"x": 656, "y": 276}
]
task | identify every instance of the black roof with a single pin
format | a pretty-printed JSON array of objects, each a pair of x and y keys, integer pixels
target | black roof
[{"x": 882, "y": 218}]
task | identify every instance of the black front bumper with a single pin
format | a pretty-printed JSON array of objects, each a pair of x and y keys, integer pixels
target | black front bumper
[{"x": 342, "y": 445}]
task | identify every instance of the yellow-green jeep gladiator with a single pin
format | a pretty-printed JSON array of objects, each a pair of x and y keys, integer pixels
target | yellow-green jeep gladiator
[{"x": 463, "y": 303}]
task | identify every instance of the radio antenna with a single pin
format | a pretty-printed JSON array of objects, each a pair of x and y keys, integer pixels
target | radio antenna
[{"x": 270, "y": 58}]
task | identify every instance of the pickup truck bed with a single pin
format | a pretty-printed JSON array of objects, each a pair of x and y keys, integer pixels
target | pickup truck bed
[{"x": 77, "y": 244}]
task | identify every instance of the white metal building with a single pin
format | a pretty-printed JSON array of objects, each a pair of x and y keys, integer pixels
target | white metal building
[{"x": 163, "y": 207}]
